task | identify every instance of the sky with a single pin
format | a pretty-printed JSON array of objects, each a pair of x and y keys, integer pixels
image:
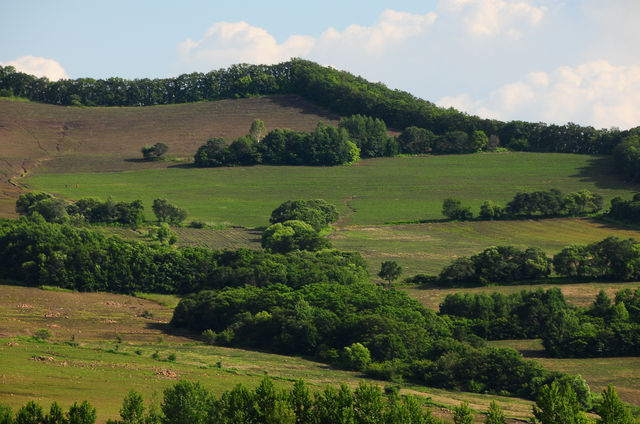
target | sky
[{"x": 534, "y": 60}]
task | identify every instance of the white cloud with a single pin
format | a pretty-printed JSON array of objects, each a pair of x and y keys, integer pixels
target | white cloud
[
  {"x": 495, "y": 17},
  {"x": 38, "y": 66},
  {"x": 226, "y": 43},
  {"x": 594, "y": 93}
]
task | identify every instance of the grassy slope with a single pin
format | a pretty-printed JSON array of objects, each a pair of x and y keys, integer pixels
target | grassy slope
[
  {"x": 95, "y": 370},
  {"x": 372, "y": 192},
  {"x": 102, "y": 138}
]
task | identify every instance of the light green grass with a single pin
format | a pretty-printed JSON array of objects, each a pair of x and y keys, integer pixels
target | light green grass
[
  {"x": 623, "y": 373},
  {"x": 427, "y": 248},
  {"x": 373, "y": 191},
  {"x": 98, "y": 368}
]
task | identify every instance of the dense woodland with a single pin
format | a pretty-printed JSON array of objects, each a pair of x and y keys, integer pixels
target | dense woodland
[
  {"x": 606, "y": 328},
  {"x": 338, "y": 91}
]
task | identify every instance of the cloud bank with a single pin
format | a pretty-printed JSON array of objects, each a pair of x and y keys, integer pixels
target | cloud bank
[
  {"x": 594, "y": 93},
  {"x": 463, "y": 51},
  {"x": 38, "y": 66},
  {"x": 225, "y": 43}
]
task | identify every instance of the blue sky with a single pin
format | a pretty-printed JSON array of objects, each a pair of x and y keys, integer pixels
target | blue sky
[{"x": 536, "y": 60}]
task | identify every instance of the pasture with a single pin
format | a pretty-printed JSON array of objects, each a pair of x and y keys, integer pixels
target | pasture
[
  {"x": 102, "y": 346},
  {"x": 372, "y": 192}
]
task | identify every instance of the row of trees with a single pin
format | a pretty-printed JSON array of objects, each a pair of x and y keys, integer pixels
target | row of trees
[
  {"x": 536, "y": 204},
  {"x": 326, "y": 146},
  {"x": 187, "y": 402},
  {"x": 338, "y": 91},
  {"x": 611, "y": 259},
  {"x": 36, "y": 252},
  {"x": 605, "y": 328},
  {"x": 95, "y": 211}
]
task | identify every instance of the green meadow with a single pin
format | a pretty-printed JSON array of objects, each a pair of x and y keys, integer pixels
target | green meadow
[{"x": 372, "y": 192}]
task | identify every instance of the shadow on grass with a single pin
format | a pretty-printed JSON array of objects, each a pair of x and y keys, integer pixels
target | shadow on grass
[{"x": 601, "y": 171}]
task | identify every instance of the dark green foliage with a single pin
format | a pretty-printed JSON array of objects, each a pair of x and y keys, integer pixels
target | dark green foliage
[
  {"x": 292, "y": 235},
  {"x": 154, "y": 152},
  {"x": 31, "y": 413},
  {"x": 370, "y": 135},
  {"x": 316, "y": 213},
  {"x": 611, "y": 258},
  {"x": 453, "y": 209},
  {"x": 390, "y": 271},
  {"x": 326, "y": 146},
  {"x": 55, "y": 415},
  {"x": 499, "y": 264},
  {"x": 27, "y": 200},
  {"x": 498, "y": 317},
  {"x": 627, "y": 157},
  {"x": 414, "y": 140},
  {"x": 544, "y": 204},
  {"x": 626, "y": 210},
  {"x": 166, "y": 212},
  {"x": 186, "y": 402},
  {"x": 214, "y": 153},
  {"x": 38, "y": 253},
  {"x": 404, "y": 339},
  {"x": 81, "y": 414},
  {"x": 109, "y": 212}
]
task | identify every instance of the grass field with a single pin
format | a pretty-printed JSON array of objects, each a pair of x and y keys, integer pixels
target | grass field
[
  {"x": 427, "y": 248},
  {"x": 101, "y": 368},
  {"x": 580, "y": 294},
  {"x": 418, "y": 248},
  {"x": 372, "y": 192},
  {"x": 109, "y": 138},
  {"x": 623, "y": 373}
]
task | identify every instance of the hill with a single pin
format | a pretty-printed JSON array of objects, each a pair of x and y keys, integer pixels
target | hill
[{"x": 109, "y": 138}]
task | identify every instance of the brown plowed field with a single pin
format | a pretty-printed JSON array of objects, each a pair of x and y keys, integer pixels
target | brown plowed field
[{"x": 109, "y": 138}]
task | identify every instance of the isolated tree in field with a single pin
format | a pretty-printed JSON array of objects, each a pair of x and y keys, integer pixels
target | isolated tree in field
[
  {"x": 612, "y": 410},
  {"x": 154, "y": 152},
  {"x": 390, "y": 271},
  {"x": 453, "y": 209},
  {"x": 166, "y": 212},
  {"x": 257, "y": 129}
]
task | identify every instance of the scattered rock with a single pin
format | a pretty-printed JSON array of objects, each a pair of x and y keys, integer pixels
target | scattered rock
[
  {"x": 42, "y": 358},
  {"x": 167, "y": 373},
  {"x": 109, "y": 321},
  {"x": 25, "y": 306},
  {"x": 12, "y": 344}
]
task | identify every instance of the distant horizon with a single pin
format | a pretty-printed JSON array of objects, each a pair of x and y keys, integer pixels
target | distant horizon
[{"x": 529, "y": 60}]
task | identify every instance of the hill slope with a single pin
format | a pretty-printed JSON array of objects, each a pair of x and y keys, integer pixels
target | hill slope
[{"x": 102, "y": 138}]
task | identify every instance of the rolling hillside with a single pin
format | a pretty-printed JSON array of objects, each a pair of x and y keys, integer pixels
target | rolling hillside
[{"x": 109, "y": 138}]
